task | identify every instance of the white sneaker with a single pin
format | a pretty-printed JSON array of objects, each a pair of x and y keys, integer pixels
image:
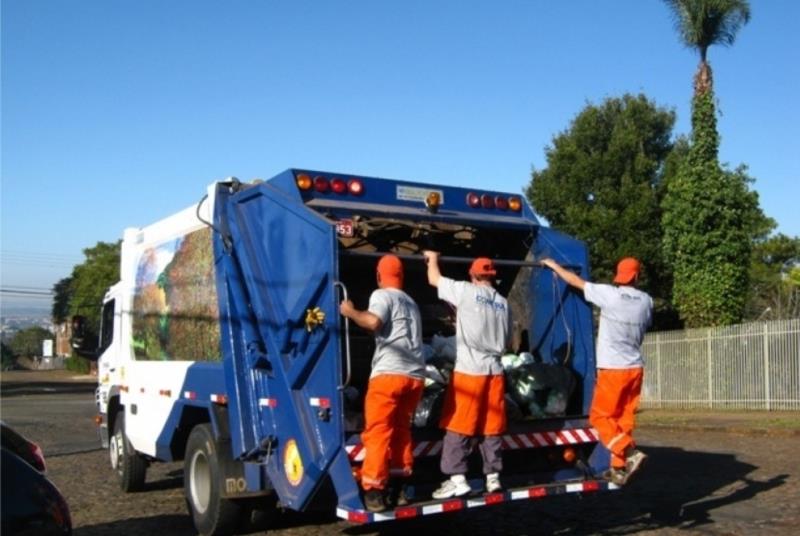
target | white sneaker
[
  {"x": 634, "y": 461},
  {"x": 493, "y": 483},
  {"x": 455, "y": 486}
]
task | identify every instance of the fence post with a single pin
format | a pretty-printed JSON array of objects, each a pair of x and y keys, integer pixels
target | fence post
[
  {"x": 710, "y": 370},
  {"x": 658, "y": 369},
  {"x": 767, "y": 394}
]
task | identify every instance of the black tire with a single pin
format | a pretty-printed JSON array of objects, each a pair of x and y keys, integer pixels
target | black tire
[
  {"x": 131, "y": 467},
  {"x": 212, "y": 514}
]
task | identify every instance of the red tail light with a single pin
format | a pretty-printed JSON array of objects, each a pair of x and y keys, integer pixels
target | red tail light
[
  {"x": 321, "y": 184},
  {"x": 37, "y": 457},
  {"x": 338, "y": 186},
  {"x": 487, "y": 201},
  {"x": 501, "y": 202},
  {"x": 355, "y": 186},
  {"x": 473, "y": 200}
]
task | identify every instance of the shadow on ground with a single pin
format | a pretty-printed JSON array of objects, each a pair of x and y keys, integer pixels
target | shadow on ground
[{"x": 676, "y": 489}]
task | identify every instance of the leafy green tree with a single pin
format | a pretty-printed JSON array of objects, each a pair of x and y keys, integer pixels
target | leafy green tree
[
  {"x": 710, "y": 217},
  {"x": 7, "y": 357},
  {"x": 602, "y": 184},
  {"x": 91, "y": 279},
  {"x": 62, "y": 295},
  {"x": 28, "y": 342},
  {"x": 774, "y": 293}
]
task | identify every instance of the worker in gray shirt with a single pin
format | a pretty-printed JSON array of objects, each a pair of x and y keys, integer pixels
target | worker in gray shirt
[
  {"x": 474, "y": 405},
  {"x": 625, "y": 314},
  {"x": 396, "y": 381}
]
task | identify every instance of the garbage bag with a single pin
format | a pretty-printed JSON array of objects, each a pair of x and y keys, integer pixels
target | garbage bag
[
  {"x": 429, "y": 408},
  {"x": 512, "y": 361},
  {"x": 433, "y": 375},
  {"x": 513, "y": 411},
  {"x": 541, "y": 389},
  {"x": 444, "y": 346}
]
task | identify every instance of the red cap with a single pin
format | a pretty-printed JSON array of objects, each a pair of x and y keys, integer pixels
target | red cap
[
  {"x": 390, "y": 271},
  {"x": 482, "y": 266},
  {"x": 627, "y": 270}
]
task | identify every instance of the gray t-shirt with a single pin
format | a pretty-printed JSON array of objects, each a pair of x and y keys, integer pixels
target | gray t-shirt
[
  {"x": 398, "y": 344},
  {"x": 625, "y": 314},
  {"x": 483, "y": 322}
]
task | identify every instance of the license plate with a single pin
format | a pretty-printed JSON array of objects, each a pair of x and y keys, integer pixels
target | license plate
[{"x": 344, "y": 228}]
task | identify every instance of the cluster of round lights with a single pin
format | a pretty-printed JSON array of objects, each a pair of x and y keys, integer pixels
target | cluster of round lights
[
  {"x": 497, "y": 201},
  {"x": 325, "y": 185}
]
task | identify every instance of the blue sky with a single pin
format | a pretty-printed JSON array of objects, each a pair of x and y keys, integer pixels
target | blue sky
[{"x": 117, "y": 113}]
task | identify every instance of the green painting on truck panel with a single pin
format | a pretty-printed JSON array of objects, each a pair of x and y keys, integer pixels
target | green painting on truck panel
[{"x": 175, "y": 314}]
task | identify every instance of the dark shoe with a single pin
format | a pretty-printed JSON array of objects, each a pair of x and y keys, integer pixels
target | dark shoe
[{"x": 373, "y": 500}]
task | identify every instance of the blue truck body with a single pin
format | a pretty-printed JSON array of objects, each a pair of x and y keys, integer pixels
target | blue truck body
[{"x": 285, "y": 252}]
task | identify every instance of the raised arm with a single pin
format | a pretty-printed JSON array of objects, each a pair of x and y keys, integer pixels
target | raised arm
[
  {"x": 571, "y": 278},
  {"x": 432, "y": 260}
]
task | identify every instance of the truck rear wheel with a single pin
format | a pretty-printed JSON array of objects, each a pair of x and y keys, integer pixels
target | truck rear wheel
[
  {"x": 130, "y": 466},
  {"x": 212, "y": 514}
]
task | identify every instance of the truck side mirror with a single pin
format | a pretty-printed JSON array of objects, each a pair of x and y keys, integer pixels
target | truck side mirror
[{"x": 83, "y": 342}]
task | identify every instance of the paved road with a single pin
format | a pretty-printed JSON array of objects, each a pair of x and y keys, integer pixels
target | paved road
[{"x": 696, "y": 481}]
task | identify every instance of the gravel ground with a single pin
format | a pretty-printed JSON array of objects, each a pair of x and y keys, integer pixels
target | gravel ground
[{"x": 699, "y": 478}]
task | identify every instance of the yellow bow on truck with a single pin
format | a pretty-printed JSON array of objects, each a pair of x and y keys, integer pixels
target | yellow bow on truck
[{"x": 314, "y": 317}]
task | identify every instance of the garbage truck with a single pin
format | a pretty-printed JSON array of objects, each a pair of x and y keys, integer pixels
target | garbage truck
[{"x": 222, "y": 345}]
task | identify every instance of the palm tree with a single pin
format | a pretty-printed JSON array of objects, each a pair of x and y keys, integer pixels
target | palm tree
[{"x": 702, "y": 23}]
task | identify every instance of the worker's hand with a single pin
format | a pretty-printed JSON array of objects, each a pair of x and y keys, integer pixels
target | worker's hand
[
  {"x": 550, "y": 263},
  {"x": 346, "y": 308},
  {"x": 431, "y": 256}
]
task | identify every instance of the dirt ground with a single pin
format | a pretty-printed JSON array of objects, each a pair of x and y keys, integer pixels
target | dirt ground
[{"x": 708, "y": 473}]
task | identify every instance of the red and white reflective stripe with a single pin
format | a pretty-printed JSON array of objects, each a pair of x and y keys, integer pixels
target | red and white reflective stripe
[
  {"x": 427, "y": 448},
  {"x": 453, "y": 505},
  {"x": 356, "y": 453},
  {"x": 320, "y": 402},
  {"x": 268, "y": 402},
  {"x": 190, "y": 395},
  {"x": 531, "y": 440},
  {"x": 219, "y": 399}
]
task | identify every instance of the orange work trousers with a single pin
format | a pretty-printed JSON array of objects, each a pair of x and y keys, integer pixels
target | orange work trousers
[
  {"x": 475, "y": 405},
  {"x": 616, "y": 398},
  {"x": 388, "y": 409}
]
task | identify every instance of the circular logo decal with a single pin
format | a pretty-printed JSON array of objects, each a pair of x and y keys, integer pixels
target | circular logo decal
[{"x": 292, "y": 463}]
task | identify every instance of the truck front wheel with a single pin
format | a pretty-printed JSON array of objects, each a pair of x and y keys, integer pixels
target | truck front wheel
[
  {"x": 212, "y": 514},
  {"x": 130, "y": 466}
]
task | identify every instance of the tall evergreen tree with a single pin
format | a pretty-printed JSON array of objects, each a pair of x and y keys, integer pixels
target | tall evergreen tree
[
  {"x": 709, "y": 213},
  {"x": 602, "y": 184}
]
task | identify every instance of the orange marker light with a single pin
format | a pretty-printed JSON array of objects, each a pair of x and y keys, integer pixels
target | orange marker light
[
  {"x": 303, "y": 181},
  {"x": 569, "y": 455},
  {"x": 515, "y": 204}
]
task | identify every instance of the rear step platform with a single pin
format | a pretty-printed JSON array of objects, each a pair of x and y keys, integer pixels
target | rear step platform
[{"x": 473, "y": 501}]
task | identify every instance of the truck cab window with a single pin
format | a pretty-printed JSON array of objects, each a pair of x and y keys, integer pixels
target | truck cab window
[{"x": 107, "y": 325}]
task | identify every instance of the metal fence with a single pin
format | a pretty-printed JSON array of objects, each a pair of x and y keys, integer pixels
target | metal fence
[{"x": 747, "y": 366}]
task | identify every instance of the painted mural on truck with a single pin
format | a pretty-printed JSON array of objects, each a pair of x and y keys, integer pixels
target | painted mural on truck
[{"x": 175, "y": 314}]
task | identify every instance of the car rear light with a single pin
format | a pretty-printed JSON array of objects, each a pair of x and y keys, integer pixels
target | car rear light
[
  {"x": 321, "y": 184},
  {"x": 355, "y": 186},
  {"x": 304, "y": 182},
  {"x": 487, "y": 201},
  {"x": 473, "y": 200},
  {"x": 515, "y": 204},
  {"x": 501, "y": 202},
  {"x": 569, "y": 455},
  {"x": 338, "y": 186},
  {"x": 37, "y": 457}
]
